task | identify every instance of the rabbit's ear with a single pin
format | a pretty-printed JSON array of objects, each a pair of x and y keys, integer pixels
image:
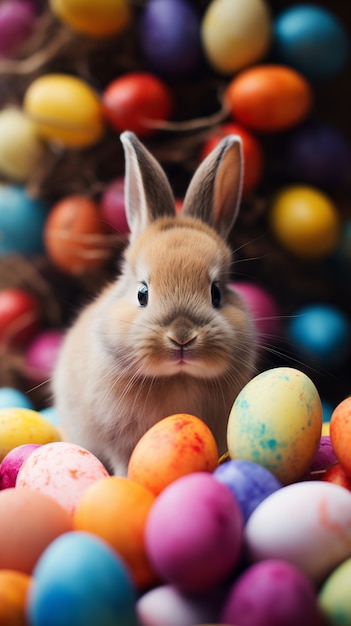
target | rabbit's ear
[
  {"x": 148, "y": 194},
  {"x": 214, "y": 193}
]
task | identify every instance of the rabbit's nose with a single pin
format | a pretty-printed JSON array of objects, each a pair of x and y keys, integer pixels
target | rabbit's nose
[
  {"x": 182, "y": 342},
  {"x": 182, "y": 333}
]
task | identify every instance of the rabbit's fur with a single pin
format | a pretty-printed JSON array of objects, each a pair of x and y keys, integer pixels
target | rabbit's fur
[{"x": 188, "y": 345}]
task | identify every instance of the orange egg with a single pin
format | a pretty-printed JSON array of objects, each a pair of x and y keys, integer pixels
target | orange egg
[
  {"x": 13, "y": 597},
  {"x": 29, "y": 522},
  {"x": 175, "y": 446},
  {"x": 116, "y": 509},
  {"x": 75, "y": 235},
  {"x": 340, "y": 433},
  {"x": 269, "y": 98}
]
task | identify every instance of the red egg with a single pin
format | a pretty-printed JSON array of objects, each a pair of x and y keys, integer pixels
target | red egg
[
  {"x": 136, "y": 101},
  {"x": 20, "y": 314},
  {"x": 337, "y": 474},
  {"x": 252, "y": 152},
  {"x": 113, "y": 208},
  {"x": 75, "y": 235}
]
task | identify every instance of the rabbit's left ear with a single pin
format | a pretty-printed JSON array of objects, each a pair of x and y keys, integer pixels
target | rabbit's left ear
[
  {"x": 214, "y": 192},
  {"x": 148, "y": 194}
]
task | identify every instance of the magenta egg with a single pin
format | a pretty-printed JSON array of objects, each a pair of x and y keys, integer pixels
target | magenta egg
[
  {"x": 41, "y": 355},
  {"x": 263, "y": 308},
  {"x": 12, "y": 462},
  {"x": 113, "y": 208},
  {"x": 17, "y": 22}
]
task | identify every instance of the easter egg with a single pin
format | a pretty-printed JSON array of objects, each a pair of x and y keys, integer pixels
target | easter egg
[
  {"x": 334, "y": 595},
  {"x": 61, "y": 470},
  {"x": 17, "y": 23},
  {"x": 41, "y": 354},
  {"x": 20, "y": 314},
  {"x": 19, "y": 426},
  {"x": 312, "y": 39},
  {"x": 271, "y": 592},
  {"x": 22, "y": 219},
  {"x": 112, "y": 206},
  {"x": 252, "y": 152},
  {"x": 116, "y": 510},
  {"x": 65, "y": 110},
  {"x": 235, "y": 34},
  {"x": 324, "y": 457},
  {"x": 249, "y": 483},
  {"x": 169, "y": 37},
  {"x": 340, "y": 433},
  {"x": 11, "y": 397},
  {"x": 137, "y": 101},
  {"x": 14, "y": 587},
  {"x": 102, "y": 19},
  {"x": 165, "y": 604},
  {"x": 194, "y": 556},
  {"x": 175, "y": 446},
  {"x": 305, "y": 221},
  {"x": 86, "y": 583},
  {"x": 263, "y": 309},
  {"x": 21, "y": 150},
  {"x": 269, "y": 98},
  {"x": 12, "y": 462},
  {"x": 307, "y": 524},
  {"x": 276, "y": 421},
  {"x": 320, "y": 333},
  {"x": 50, "y": 413},
  {"x": 29, "y": 522},
  {"x": 337, "y": 474},
  {"x": 75, "y": 235}
]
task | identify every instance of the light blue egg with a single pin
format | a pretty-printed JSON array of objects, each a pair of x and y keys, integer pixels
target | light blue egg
[
  {"x": 51, "y": 415},
  {"x": 312, "y": 40},
  {"x": 11, "y": 397},
  {"x": 80, "y": 581},
  {"x": 321, "y": 333},
  {"x": 22, "y": 220}
]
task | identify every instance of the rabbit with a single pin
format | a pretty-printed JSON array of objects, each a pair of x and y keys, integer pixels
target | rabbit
[{"x": 169, "y": 335}]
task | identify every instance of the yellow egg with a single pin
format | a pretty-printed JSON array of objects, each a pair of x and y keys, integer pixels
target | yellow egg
[
  {"x": 20, "y": 426},
  {"x": 235, "y": 34},
  {"x": 95, "y": 18},
  {"x": 21, "y": 150},
  {"x": 65, "y": 110},
  {"x": 276, "y": 421},
  {"x": 334, "y": 596},
  {"x": 305, "y": 221}
]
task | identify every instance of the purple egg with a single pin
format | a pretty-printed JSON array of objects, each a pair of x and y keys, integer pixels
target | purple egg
[
  {"x": 169, "y": 37},
  {"x": 113, "y": 207},
  {"x": 324, "y": 458},
  {"x": 249, "y": 483},
  {"x": 17, "y": 22},
  {"x": 12, "y": 463},
  {"x": 272, "y": 593},
  {"x": 194, "y": 533}
]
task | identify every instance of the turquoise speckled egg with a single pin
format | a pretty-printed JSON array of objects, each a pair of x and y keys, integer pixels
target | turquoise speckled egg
[{"x": 276, "y": 421}]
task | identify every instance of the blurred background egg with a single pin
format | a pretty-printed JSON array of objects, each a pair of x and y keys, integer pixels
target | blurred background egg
[
  {"x": 112, "y": 206},
  {"x": 102, "y": 19},
  {"x": 65, "y": 110},
  {"x": 276, "y": 421},
  {"x": 312, "y": 39},
  {"x": 269, "y": 98},
  {"x": 17, "y": 23},
  {"x": 20, "y": 426},
  {"x": 20, "y": 317},
  {"x": 21, "y": 150},
  {"x": 12, "y": 397},
  {"x": 235, "y": 34},
  {"x": 263, "y": 308},
  {"x": 169, "y": 37},
  {"x": 22, "y": 219},
  {"x": 14, "y": 587},
  {"x": 41, "y": 354}
]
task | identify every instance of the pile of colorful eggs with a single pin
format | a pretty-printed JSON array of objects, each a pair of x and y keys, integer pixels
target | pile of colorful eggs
[{"x": 260, "y": 536}]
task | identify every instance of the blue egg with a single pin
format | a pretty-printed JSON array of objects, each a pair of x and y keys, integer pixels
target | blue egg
[
  {"x": 11, "y": 397},
  {"x": 80, "y": 581},
  {"x": 317, "y": 154},
  {"x": 51, "y": 415},
  {"x": 312, "y": 40},
  {"x": 169, "y": 37},
  {"x": 327, "y": 410},
  {"x": 249, "y": 482},
  {"x": 321, "y": 333},
  {"x": 22, "y": 220}
]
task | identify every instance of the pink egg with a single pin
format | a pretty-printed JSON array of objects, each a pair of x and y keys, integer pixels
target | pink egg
[
  {"x": 12, "y": 462},
  {"x": 194, "y": 533},
  {"x": 113, "y": 208},
  {"x": 61, "y": 470},
  {"x": 41, "y": 355},
  {"x": 17, "y": 22},
  {"x": 263, "y": 308}
]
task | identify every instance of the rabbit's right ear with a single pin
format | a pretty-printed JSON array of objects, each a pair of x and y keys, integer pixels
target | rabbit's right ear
[{"x": 148, "y": 194}]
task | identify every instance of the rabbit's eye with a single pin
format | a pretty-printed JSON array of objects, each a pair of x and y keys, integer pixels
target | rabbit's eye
[
  {"x": 143, "y": 294},
  {"x": 215, "y": 295}
]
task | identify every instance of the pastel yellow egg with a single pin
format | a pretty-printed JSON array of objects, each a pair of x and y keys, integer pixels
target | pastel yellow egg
[
  {"x": 276, "y": 421},
  {"x": 97, "y": 19},
  {"x": 21, "y": 150},
  {"x": 20, "y": 426},
  {"x": 305, "y": 221},
  {"x": 235, "y": 34},
  {"x": 334, "y": 596},
  {"x": 65, "y": 110}
]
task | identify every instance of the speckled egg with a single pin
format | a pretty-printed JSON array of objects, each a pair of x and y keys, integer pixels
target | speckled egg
[
  {"x": 21, "y": 426},
  {"x": 61, "y": 470},
  {"x": 276, "y": 421}
]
